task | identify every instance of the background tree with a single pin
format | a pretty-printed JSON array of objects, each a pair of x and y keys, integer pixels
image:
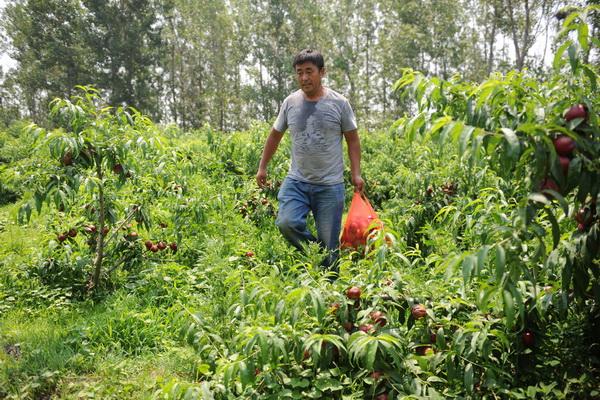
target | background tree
[
  {"x": 125, "y": 37},
  {"x": 524, "y": 21},
  {"x": 9, "y": 100},
  {"x": 49, "y": 48},
  {"x": 228, "y": 63}
]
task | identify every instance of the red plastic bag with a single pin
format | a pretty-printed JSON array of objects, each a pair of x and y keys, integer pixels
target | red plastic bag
[{"x": 359, "y": 223}]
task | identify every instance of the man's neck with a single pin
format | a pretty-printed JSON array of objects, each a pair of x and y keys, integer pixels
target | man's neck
[{"x": 320, "y": 92}]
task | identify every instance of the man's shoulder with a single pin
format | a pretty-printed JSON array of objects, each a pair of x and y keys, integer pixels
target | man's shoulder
[
  {"x": 333, "y": 95},
  {"x": 294, "y": 97}
]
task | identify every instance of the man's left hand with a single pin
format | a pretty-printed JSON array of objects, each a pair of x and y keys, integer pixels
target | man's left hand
[{"x": 358, "y": 182}]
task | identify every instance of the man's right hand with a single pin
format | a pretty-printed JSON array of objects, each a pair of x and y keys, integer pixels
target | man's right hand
[
  {"x": 261, "y": 177},
  {"x": 270, "y": 147}
]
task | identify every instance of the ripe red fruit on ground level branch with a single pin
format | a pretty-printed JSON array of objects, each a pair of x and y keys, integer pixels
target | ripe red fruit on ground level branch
[
  {"x": 249, "y": 254},
  {"x": 72, "y": 232},
  {"x": 528, "y": 338},
  {"x": 173, "y": 247},
  {"x": 433, "y": 338},
  {"x": 564, "y": 145},
  {"x": 549, "y": 184},
  {"x": 418, "y": 311},
  {"x": 576, "y": 111},
  {"x": 334, "y": 307},
  {"x": 564, "y": 163},
  {"x": 154, "y": 248},
  {"x": 584, "y": 216},
  {"x": 148, "y": 244},
  {"x": 306, "y": 355},
  {"x": 353, "y": 293},
  {"x": 366, "y": 328},
  {"x": 161, "y": 245},
  {"x": 67, "y": 158},
  {"x": 382, "y": 396},
  {"x": 580, "y": 216},
  {"x": 379, "y": 318},
  {"x": 375, "y": 315},
  {"x": 376, "y": 375},
  {"x": 62, "y": 237},
  {"x": 117, "y": 169}
]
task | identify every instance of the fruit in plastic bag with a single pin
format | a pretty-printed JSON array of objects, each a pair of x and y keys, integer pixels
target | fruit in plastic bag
[{"x": 361, "y": 220}]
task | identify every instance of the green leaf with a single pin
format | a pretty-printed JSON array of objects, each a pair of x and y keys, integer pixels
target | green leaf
[
  {"x": 468, "y": 379},
  {"x": 465, "y": 136},
  {"x": 203, "y": 369},
  {"x": 318, "y": 305},
  {"x": 555, "y": 227},
  {"x": 299, "y": 382},
  {"x": 509, "y": 308},
  {"x": 371, "y": 354},
  {"x": 328, "y": 384},
  {"x": 483, "y": 297},
  {"x": 246, "y": 374},
  {"x": 570, "y": 18},
  {"x": 440, "y": 123},
  {"x": 467, "y": 268},
  {"x": 582, "y": 36},
  {"x": 592, "y": 76},
  {"x": 573, "y": 59},
  {"x": 230, "y": 370},
  {"x": 279, "y": 310},
  {"x": 24, "y": 214},
  {"x": 539, "y": 198},
  {"x": 440, "y": 338},
  {"x": 557, "y": 63},
  {"x": 513, "y": 142},
  {"x": 408, "y": 77},
  {"x": 481, "y": 257}
]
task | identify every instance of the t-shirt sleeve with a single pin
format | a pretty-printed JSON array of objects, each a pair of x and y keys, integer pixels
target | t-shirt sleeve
[
  {"x": 348, "y": 118},
  {"x": 281, "y": 123}
]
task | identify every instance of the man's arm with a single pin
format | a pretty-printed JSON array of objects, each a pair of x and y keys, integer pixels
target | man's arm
[
  {"x": 270, "y": 148},
  {"x": 353, "y": 142}
]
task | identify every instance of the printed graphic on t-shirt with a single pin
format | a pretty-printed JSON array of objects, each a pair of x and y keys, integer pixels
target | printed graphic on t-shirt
[
  {"x": 316, "y": 130},
  {"x": 312, "y": 138}
]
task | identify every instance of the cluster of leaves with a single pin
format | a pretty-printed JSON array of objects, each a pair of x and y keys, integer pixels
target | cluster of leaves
[
  {"x": 250, "y": 307},
  {"x": 497, "y": 270}
]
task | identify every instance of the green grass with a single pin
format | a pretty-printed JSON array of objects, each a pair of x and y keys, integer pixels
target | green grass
[{"x": 72, "y": 349}]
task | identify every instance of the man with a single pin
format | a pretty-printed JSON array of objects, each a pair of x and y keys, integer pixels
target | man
[{"x": 317, "y": 118}]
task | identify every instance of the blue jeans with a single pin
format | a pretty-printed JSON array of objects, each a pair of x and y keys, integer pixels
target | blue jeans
[{"x": 326, "y": 202}]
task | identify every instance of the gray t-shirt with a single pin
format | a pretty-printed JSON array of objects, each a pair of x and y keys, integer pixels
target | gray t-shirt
[{"x": 316, "y": 128}]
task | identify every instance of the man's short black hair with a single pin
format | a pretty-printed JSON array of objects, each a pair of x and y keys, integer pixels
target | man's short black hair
[{"x": 309, "y": 55}]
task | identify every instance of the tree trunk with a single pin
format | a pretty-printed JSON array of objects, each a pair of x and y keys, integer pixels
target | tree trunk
[
  {"x": 172, "y": 83},
  {"x": 368, "y": 80},
  {"x": 521, "y": 44},
  {"x": 100, "y": 232},
  {"x": 492, "y": 38}
]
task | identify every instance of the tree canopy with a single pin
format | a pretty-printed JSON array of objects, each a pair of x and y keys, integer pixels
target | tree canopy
[{"x": 228, "y": 63}]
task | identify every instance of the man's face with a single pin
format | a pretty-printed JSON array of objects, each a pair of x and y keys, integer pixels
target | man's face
[{"x": 309, "y": 78}]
